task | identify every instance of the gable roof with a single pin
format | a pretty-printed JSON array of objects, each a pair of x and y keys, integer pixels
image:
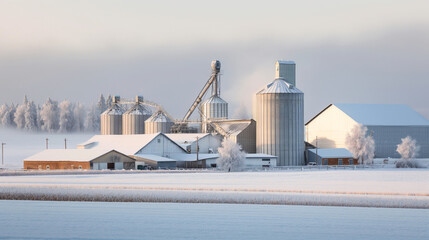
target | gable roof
[
  {"x": 74, "y": 155},
  {"x": 380, "y": 114},
  {"x": 185, "y": 139},
  {"x": 127, "y": 144},
  {"x": 332, "y": 152}
]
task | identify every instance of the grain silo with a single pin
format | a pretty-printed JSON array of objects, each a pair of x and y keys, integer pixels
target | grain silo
[
  {"x": 111, "y": 119},
  {"x": 158, "y": 122},
  {"x": 214, "y": 108},
  {"x": 279, "y": 115},
  {"x": 133, "y": 119}
]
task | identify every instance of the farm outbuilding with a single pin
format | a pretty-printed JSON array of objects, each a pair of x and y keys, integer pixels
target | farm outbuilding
[
  {"x": 387, "y": 123},
  {"x": 54, "y": 159},
  {"x": 331, "y": 156},
  {"x": 242, "y": 132}
]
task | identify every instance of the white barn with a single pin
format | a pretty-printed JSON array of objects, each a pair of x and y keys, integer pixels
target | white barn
[{"x": 388, "y": 123}]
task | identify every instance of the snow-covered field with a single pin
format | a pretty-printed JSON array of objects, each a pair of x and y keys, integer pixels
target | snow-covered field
[
  {"x": 103, "y": 220},
  {"x": 22, "y": 144},
  {"x": 403, "y": 188}
]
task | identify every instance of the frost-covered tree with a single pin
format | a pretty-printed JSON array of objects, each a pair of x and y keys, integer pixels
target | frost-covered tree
[
  {"x": 109, "y": 101},
  {"x": 4, "y": 109},
  {"x": 11, "y": 119},
  {"x": 93, "y": 120},
  {"x": 30, "y": 117},
  {"x": 231, "y": 157},
  {"x": 19, "y": 116},
  {"x": 49, "y": 115},
  {"x": 79, "y": 117},
  {"x": 361, "y": 146},
  {"x": 408, "y": 149},
  {"x": 101, "y": 104},
  {"x": 66, "y": 116}
]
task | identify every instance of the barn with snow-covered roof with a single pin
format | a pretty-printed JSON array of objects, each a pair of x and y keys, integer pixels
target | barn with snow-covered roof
[{"x": 387, "y": 123}]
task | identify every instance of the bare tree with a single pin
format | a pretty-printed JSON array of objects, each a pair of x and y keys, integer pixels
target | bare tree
[
  {"x": 360, "y": 145},
  {"x": 231, "y": 157}
]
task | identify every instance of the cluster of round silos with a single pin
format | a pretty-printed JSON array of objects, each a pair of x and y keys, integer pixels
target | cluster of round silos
[
  {"x": 211, "y": 109},
  {"x": 111, "y": 119},
  {"x": 279, "y": 115},
  {"x": 158, "y": 122},
  {"x": 133, "y": 120}
]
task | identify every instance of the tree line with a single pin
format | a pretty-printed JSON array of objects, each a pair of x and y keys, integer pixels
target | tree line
[{"x": 54, "y": 116}]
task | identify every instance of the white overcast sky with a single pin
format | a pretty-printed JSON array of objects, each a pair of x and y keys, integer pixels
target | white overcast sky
[{"x": 346, "y": 51}]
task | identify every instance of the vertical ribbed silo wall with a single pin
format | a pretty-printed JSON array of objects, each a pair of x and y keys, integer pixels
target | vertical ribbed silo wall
[
  {"x": 155, "y": 127},
  {"x": 280, "y": 126},
  {"x": 111, "y": 124},
  {"x": 133, "y": 124}
]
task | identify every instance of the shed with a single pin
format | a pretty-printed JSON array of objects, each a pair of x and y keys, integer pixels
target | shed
[
  {"x": 54, "y": 159},
  {"x": 331, "y": 156}
]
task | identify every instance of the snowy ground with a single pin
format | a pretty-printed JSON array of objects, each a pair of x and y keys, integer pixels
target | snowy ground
[
  {"x": 22, "y": 144},
  {"x": 95, "y": 220},
  {"x": 400, "y": 188}
]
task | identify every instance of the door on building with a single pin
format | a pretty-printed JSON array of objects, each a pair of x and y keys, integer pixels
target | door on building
[{"x": 111, "y": 166}]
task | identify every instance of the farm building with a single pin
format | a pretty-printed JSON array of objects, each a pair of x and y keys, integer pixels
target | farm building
[
  {"x": 207, "y": 142},
  {"x": 242, "y": 132},
  {"x": 331, "y": 156},
  {"x": 54, "y": 159},
  {"x": 387, "y": 123}
]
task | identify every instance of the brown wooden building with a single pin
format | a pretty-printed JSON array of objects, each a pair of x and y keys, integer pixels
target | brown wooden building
[
  {"x": 54, "y": 159},
  {"x": 331, "y": 156}
]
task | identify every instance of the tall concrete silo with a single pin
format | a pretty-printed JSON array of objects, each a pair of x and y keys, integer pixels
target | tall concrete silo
[
  {"x": 111, "y": 119},
  {"x": 133, "y": 119},
  {"x": 279, "y": 114},
  {"x": 158, "y": 122}
]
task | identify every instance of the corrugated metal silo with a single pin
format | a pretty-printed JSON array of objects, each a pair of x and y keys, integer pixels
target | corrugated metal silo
[
  {"x": 211, "y": 109},
  {"x": 279, "y": 115},
  {"x": 111, "y": 119},
  {"x": 158, "y": 122},
  {"x": 133, "y": 119}
]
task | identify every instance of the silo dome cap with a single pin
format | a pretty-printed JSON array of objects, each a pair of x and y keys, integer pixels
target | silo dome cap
[{"x": 279, "y": 85}]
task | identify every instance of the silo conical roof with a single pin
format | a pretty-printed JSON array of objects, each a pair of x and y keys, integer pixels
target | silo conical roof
[
  {"x": 159, "y": 116},
  {"x": 279, "y": 85},
  {"x": 214, "y": 99},
  {"x": 115, "y": 109},
  {"x": 138, "y": 109}
]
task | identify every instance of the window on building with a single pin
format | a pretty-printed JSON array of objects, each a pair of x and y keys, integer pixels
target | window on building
[
  {"x": 325, "y": 161},
  {"x": 48, "y": 167},
  {"x": 265, "y": 166},
  {"x": 80, "y": 167},
  {"x": 213, "y": 165},
  {"x": 340, "y": 161},
  {"x": 266, "y": 159},
  {"x": 159, "y": 140},
  {"x": 351, "y": 161}
]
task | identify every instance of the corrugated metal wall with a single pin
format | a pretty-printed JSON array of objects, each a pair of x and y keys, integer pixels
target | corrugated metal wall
[{"x": 280, "y": 126}]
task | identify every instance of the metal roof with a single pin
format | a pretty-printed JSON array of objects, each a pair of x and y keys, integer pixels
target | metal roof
[
  {"x": 379, "y": 114},
  {"x": 279, "y": 85},
  {"x": 138, "y": 109},
  {"x": 332, "y": 152},
  {"x": 159, "y": 116},
  {"x": 127, "y": 144},
  {"x": 115, "y": 109},
  {"x": 214, "y": 99},
  {"x": 383, "y": 114}
]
